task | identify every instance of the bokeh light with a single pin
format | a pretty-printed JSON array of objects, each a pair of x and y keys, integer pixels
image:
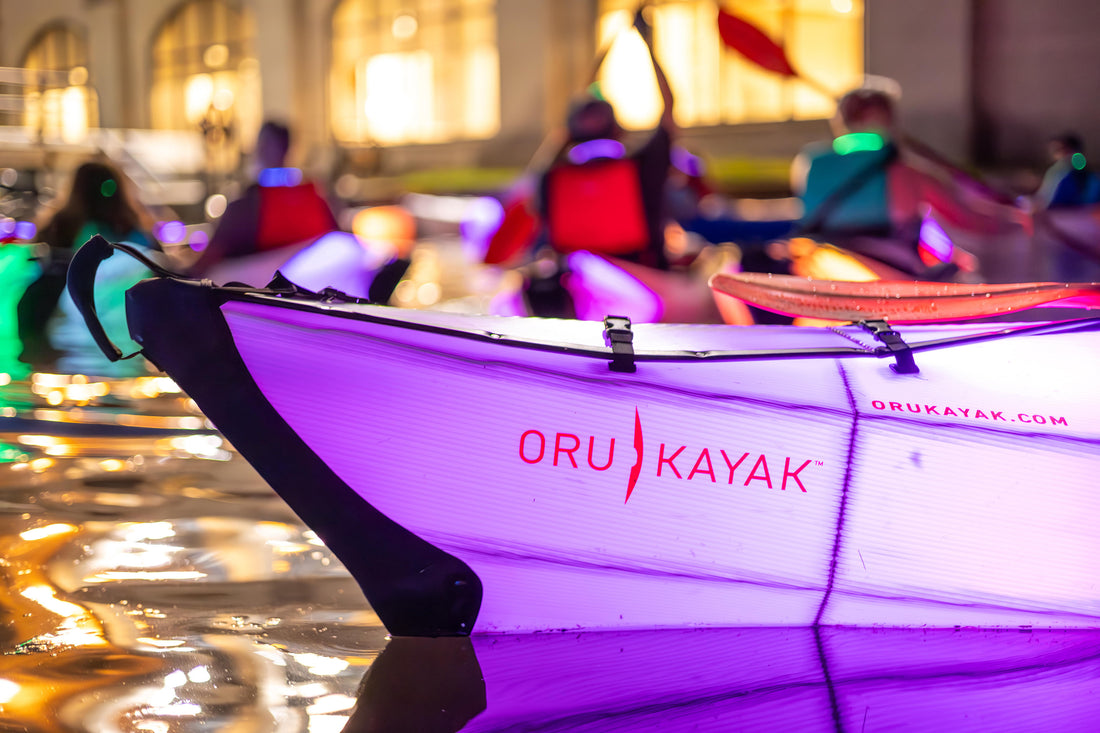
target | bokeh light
[
  {"x": 25, "y": 230},
  {"x": 481, "y": 218},
  {"x": 170, "y": 232},
  {"x": 216, "y": 205},
  {"x": 391, "y": 225},
  {"x": 198, "y": 240}
]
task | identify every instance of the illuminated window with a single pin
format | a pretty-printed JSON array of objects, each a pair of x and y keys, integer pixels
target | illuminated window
[
  {"x": 58, "y": 103},
  {"x": 206, "y": 77},
  {"x": 713, "y": 84},
  {"x": 414, "y": 71}
]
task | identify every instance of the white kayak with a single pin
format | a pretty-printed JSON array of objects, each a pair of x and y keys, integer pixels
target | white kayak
[{"x": 486, "y": 474}]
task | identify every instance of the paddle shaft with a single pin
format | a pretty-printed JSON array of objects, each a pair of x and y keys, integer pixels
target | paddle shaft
[{"x": 556, "y": 140}]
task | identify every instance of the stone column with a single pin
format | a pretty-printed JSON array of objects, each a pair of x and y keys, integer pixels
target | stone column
[{"x": 927, "y": 47}]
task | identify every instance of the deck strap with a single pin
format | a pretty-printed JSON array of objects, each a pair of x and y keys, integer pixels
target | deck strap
[
  {"x": 616, "y": 331},
  {"x": 894, "y": 346}
]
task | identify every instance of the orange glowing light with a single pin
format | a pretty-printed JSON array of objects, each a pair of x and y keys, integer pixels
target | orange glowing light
[{"x": 386, "y": 225}]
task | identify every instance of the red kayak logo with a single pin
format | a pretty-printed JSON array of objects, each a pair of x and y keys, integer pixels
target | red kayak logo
[
  {"x": 639, "y": 450},
  {"x": 716, "y": 465}
]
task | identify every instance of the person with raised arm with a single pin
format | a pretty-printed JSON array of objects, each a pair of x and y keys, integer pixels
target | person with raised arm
[{"x": 600, "y": 196}]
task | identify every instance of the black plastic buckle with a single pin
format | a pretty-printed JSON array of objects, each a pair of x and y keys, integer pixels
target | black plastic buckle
[
  {"x": 894, "y": 346},
  {"x": 617, "y": 333},
  {"x": 332, "y": 295}
]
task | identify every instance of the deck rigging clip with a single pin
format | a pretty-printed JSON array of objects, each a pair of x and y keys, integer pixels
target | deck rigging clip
[
  {"x": 617, "y": 333},
  {"x": 893, "y": 346}
]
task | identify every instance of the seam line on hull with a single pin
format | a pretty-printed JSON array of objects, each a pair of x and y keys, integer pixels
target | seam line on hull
[{"x": 844, "y": 490}]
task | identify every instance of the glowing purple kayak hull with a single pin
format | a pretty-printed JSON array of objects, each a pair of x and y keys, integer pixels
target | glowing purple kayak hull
[{"x": 761, "y": 490}]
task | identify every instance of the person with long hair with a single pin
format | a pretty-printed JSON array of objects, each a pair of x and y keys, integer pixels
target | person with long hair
[{"x": 99, "y": 201}]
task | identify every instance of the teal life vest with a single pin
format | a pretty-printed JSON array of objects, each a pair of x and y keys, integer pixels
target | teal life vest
[{"x": 847, "y": 188}]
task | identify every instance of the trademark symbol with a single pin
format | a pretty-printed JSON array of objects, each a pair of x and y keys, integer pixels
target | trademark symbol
[{"x": 819, "y": 463}]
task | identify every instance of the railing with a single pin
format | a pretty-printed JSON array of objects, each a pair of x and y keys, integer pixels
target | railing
[{"x": 15, "y": 81}]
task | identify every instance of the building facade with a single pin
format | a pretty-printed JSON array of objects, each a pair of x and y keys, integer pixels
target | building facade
[{"x": 384, "y": 88}]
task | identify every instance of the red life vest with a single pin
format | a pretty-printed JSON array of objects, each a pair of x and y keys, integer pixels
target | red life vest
[
  {"x": 290, "y": 215},
  {"x": 596, "y": 206}
]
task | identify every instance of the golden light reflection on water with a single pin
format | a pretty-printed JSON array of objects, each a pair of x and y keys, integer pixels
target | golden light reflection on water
[
  {"x": 80, "y": 389},
  {"x": 151, "y": 581}
]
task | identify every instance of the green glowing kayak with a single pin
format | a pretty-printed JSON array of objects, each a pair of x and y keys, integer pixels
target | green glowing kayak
[{"x": 18, "y": 269}]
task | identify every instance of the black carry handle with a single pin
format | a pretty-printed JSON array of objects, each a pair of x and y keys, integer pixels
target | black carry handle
[
  {"x": 80, "y": 282},
  {"x": 84, "y": 264}
]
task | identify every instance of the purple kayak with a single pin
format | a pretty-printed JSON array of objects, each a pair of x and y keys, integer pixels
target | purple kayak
[{"x": 480, "y": 474}]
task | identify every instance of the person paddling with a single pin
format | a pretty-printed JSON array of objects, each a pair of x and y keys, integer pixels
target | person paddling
[
  {"x": 279, "y": 209},
  {"x": 1068, "y": 182},
  {"x": 1066, "y": 212},
  {"x": 868, "y": 190},
  {"x": 599, "y": 196}
]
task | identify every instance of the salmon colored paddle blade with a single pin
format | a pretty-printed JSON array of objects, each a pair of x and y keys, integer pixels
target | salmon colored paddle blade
[
  {"x": 898, "y": 302},
  {"x": 752, "y": 43}
]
